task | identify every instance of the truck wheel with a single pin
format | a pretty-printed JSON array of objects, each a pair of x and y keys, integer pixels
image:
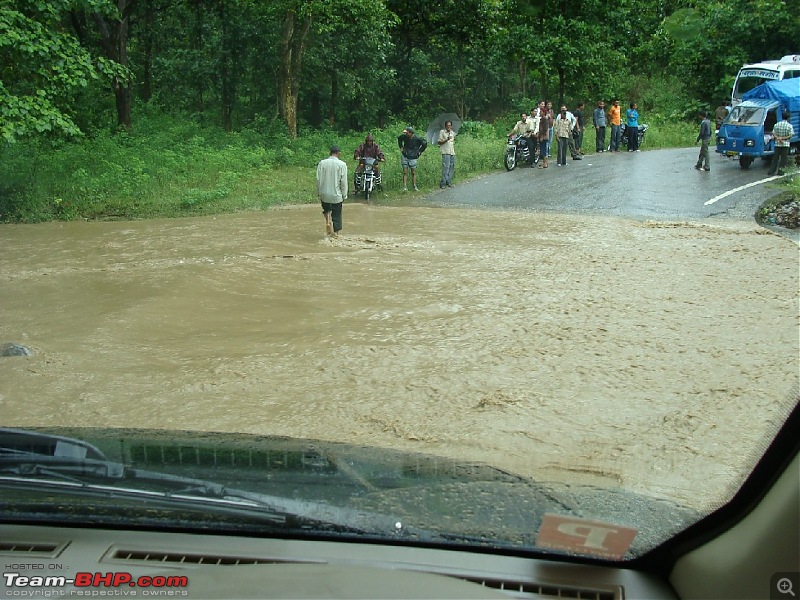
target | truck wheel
[{"x": 745, "y": 161}]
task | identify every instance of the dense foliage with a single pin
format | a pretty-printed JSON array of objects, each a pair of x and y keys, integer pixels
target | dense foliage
[{"x": 354, "y": 64}]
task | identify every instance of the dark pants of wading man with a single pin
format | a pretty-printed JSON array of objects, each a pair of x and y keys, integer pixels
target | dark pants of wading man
[{"x": 333, "y": 215}]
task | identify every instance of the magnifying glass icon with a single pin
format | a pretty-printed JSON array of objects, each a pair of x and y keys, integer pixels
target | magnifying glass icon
[{"x": 785, "y": 586}]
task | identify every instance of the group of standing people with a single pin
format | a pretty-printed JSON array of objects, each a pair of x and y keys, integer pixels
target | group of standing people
[
  {"x": 542, "y": 124},
  {"x": 602, "y": 118}
]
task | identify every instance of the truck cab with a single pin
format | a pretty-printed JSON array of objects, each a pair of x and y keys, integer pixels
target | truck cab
[{"x": 753, "y": 75}]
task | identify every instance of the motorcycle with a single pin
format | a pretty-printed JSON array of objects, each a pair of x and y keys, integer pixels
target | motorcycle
[
  {"x": 624, "y": 134},
  {"x": 517, "y": 152},
  {"x": 367, "y": 179}
]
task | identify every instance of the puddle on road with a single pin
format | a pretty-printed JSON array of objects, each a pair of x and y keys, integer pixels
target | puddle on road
[{"x": 586, "y": 349}]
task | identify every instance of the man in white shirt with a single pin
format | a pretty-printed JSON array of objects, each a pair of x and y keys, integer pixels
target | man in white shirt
[
  {"x": 332, "y": 190},
  {"x": 447, "y": 148},
  {"x": 573, "y": 149}
]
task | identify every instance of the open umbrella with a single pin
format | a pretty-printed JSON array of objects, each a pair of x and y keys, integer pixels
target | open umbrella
[{"x": 438, "y": 124}]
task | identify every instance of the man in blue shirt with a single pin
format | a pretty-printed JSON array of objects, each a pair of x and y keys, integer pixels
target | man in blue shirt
[{"x": 632, "y": 128}]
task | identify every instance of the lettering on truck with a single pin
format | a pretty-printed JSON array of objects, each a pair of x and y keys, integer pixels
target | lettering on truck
[{"x": 764, "y": 73}]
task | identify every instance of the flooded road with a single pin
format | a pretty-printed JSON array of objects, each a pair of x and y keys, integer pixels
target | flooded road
[{"x": 592, "y": 349}]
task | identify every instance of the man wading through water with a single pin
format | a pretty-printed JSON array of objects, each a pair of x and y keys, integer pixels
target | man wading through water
[{"x": 332, "y": 190}]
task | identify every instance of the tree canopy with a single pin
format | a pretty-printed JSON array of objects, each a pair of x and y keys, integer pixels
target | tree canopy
[{"x": 354, "y": 64}]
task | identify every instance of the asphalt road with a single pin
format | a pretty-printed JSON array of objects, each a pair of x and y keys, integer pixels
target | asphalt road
[{"x": 651, "y": 184}]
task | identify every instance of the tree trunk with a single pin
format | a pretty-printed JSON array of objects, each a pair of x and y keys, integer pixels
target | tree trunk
[
  {"x": 315, "y": 104},
  {"x": 114, "y": 37},
  {"x": 334, "y": 99},
  {"x": 292, "y": 47},
  {"x": 199, "y": 22},
  {"x": 226, "y": 68},
  {"x": 147, "y": 83}
]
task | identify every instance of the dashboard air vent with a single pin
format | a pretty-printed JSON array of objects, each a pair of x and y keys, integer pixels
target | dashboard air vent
[
  {"x": 184, "y": 558},
  {"x": 527, "y": 589},
  {"x": 32, "y": 550}
]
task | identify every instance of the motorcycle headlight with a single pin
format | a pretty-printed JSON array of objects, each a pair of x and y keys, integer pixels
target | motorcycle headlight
[{"x": 749, "y": 143}]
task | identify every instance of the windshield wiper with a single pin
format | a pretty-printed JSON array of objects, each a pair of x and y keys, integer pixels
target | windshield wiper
[
  {"x": 36, "y": 462},
  {"x": 22, "y": 466}
]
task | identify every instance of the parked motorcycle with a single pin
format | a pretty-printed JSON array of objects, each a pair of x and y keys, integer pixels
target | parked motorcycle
[
  {"x": 624, "y": 134},
  {"x": 517, "y": 151},
  {"x": 368, "y": 178}
]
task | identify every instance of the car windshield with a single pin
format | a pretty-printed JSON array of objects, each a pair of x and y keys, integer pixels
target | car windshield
[
  {"x": 745, "y": 83},
  {"x": 746, "y": 115}
]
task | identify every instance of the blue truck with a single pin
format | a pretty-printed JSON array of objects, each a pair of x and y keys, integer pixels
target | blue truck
[{"x": 747, "y": 131}]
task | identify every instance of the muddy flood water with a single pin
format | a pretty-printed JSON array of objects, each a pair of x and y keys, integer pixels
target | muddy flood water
[{"x": 655, "y": 356}]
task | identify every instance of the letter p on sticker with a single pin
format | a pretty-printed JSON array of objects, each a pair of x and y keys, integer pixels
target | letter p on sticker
[{"x": 581, "y": 536}]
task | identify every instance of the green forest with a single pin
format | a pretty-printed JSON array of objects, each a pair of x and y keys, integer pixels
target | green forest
[{"x": 141, "y": 108}]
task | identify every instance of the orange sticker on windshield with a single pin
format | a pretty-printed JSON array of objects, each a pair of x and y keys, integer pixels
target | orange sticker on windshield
[{"x": 583, "y": 536}]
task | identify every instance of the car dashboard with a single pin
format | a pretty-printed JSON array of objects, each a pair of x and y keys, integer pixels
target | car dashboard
[{"x": 80, "y": 562}]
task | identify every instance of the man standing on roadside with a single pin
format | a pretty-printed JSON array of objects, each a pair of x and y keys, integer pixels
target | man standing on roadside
[
  {"x": 332, "y": 190},
  {"x": 782, "y": 132},
  {"x": 563, "y": 132},
  {"x": 632, "y": 128},
  {"x": 577, "y": 133},
  {"x": 703, "y": 137},
  {"x": 447, "y": 148},
  {"x": 571, "y": 141},
  {"x": 411, "y": 148},
  {"x": 599, "y": 120},
  {"x": 615, "y": 116}
]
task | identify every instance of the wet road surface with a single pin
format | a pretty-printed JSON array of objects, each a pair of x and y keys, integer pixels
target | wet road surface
[{"x": 652, "y": 184}]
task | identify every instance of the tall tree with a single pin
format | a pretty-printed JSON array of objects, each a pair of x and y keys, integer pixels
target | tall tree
[
  {"x": 296, "y": 25},
  {"x": 114, "y": 32}
]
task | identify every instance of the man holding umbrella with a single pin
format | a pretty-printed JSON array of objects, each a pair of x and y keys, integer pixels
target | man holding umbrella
[{"x": 447, "y": 148}]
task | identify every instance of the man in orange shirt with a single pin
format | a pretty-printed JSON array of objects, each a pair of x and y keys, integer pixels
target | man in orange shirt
[{"x": 615, "y": 116}]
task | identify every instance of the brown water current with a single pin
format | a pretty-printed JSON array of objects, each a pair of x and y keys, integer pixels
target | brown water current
[{"x": 655, "y": 356}]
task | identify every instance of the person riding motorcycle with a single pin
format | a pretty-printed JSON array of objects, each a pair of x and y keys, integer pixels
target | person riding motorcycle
[
  {"x": 524, "y": 128},
  {"x": 368, "y": 149}
]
